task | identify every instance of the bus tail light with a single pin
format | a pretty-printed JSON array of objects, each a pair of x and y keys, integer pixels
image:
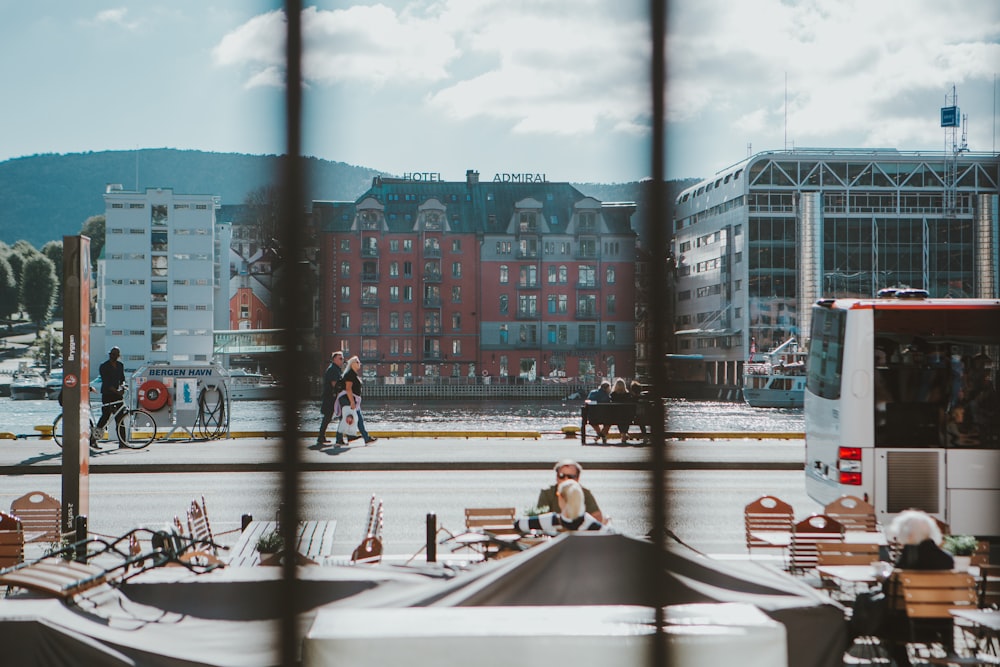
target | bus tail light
[{"x": 849, "y": 465}]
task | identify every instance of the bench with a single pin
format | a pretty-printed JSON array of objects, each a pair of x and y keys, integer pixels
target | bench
[{"x": 605, "y": 413}]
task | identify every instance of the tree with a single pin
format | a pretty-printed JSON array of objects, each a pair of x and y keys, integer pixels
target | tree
[
  {"x": 54, "y": 251},
  {"x": 8, "y": 290},
  {"x": 94, "y": 229},
  {"x": 262, "y": 212},
  {"x": 38, "y": 289}
]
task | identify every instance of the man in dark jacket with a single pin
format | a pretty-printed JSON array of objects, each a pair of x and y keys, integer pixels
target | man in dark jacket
[
  {"x": 112, "y": 374},
  {"x": 330, "y": 379}
]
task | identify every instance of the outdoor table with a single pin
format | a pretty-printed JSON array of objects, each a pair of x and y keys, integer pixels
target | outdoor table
[
  {"x": 988, "y": 620},
  {"x": 783, "y": 538},
  {"x": 314, "y": 541}
]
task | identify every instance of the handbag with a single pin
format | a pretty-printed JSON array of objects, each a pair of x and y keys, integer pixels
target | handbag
[{"x": 348, "y": 426}]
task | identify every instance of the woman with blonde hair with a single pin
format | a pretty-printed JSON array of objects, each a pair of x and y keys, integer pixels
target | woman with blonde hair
[
  {"x": 571, "y": 514},
  {"x": 351, "y": 397}
]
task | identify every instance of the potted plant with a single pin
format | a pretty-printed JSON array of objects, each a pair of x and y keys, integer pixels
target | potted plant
[
  {"x": 961, "y": 547},
  {"x": 270, "y": 543}
]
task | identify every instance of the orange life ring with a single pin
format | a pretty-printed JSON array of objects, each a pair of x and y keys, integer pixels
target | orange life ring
[{"x": 153, "y": 395}]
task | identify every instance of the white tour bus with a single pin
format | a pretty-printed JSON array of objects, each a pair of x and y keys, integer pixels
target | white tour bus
[{"x": 901, "y": 406}]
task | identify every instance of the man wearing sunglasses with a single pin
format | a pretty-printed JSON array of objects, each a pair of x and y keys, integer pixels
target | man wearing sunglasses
[{"x": 567, "y": 469}]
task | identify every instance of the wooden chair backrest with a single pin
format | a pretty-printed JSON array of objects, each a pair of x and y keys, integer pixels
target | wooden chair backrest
[
  {"x": 199, "y": 527},
  {"x": 805, "y": 536},
  {"x": 368, "y": 552},
  {"x": 766, "y": 513},
  {"x": 853, "y": 512},
  {"x": 39, "y": 513},
  {"x": 843, "y": 553},
  {"x": 933, "y": 593},
  {"x": 57, "y": 578},
  {"x": 981, "y": 556},
  {"x": 497, "y": 520},
  {"x": 11, "y": 541}
]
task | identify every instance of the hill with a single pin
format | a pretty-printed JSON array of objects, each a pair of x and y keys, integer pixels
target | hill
[{"x": 45, "y": 197}]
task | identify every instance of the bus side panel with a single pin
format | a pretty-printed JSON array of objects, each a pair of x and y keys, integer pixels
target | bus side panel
[
  {"x": 909, "y": 479},
  {"x": 974, "y": 491}
]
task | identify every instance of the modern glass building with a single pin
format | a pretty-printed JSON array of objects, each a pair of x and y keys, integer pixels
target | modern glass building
[{"x": 761, "y": 241}]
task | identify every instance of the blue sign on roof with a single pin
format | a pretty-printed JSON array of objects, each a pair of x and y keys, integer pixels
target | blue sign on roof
[{"x": 949, "y": 117}]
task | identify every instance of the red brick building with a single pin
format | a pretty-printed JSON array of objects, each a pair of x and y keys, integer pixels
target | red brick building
[{"x": 514, "y": 277}]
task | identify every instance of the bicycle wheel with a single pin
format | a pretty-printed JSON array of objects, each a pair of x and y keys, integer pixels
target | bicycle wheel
[
  {"x": 57, "y": 430},
  {"x": 136, "y": 429}
]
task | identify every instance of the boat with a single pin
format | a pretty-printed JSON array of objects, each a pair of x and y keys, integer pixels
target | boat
[
  {"x": 248, "y": 386},
  {"x": 777, "y": 381},
  {"x": 53, "y": 386},
  {"x": 27, "y": 385}
]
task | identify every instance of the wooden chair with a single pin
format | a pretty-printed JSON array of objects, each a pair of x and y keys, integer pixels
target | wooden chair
[
  {"x": 853, "y": 513},
  {"x": 927, "y": 597},
  {"x": 497, "y": 524},
  {"x": 842, "y": 553},
  {"x": 766, "y": 513},
  {"x": 55, "y": 577},
  {"x": 40, "y": 515},
  {"x": 11, "y": 541},
  {"x": 370, "y": 549},
  {"x": 199, "y": 528},
  {"x": 806, "y": 534}
]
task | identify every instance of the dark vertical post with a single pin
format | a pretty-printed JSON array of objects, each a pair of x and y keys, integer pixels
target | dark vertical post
[
  {"x": 80, "y": 538},
  {"x": 245, "y": 521},
  {"x": 291, "y": 309},
  {"x": 659, "y": 240},
  {"x": 76, "y": 380},
  {"x": 431, "y": 538}
]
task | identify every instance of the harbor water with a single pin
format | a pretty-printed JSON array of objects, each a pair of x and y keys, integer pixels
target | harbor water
[{"x": 21, "y": 417}]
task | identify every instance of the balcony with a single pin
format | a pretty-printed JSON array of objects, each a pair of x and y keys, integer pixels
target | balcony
[
  {"x": 587, "y": 315},
  {"x": 370, "y": 277},
  {"x": 369, "y": 252},
  {"x": 529, "y": 285},
  {"x": 432, "y": 277},
  {"x": 526, "y": 314},
  {"x": 587, "y": 284},
  {"x": 369, "y": 301},
  {"x": 432, "y": 328},
  {"x": 432, "y": 302},
  {"x": 430, "y": 251},
  {"x": 369, "y": 329},
  {"x": 431, "y": 355}
]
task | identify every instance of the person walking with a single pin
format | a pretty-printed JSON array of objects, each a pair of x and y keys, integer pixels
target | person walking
[
  {"x": 112, "y": 374},
  {"x": 351, "y": 397},
  {"x": 331, "y": 380}
]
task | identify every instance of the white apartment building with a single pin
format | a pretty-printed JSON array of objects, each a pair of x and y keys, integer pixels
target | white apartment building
[{"x": 165, "y": 277}]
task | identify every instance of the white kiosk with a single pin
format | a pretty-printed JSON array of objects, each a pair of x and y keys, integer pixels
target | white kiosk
[{"x": 193, "y": 398}]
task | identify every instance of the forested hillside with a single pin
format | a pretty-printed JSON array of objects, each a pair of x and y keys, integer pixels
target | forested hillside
[{"x": 45, "y": 197}]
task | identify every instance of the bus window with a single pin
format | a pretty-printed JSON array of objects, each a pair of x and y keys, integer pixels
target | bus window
[{"x": 826, "y": 352}]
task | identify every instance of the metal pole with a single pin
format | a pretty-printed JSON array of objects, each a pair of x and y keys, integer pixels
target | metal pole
[
  {"x": 431, "y": 538},
  {"x": 80, "y": 538}
]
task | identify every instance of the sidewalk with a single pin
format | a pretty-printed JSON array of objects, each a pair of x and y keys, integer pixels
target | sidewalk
[{"x": 408, "y": 452}]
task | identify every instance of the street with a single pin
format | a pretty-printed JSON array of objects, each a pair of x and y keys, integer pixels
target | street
[{"x": 706, "y": 506}]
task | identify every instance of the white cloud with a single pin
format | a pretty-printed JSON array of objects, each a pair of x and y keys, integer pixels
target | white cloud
[{"x": 115, "y": 17}]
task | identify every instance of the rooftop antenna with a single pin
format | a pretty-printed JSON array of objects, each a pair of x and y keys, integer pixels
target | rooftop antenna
[
  {"x": 786, "y": 110},
  {"x": 749, "y": 149}
]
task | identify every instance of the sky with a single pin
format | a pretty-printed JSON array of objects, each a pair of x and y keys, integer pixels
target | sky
[{"x": 552, "y": 87}]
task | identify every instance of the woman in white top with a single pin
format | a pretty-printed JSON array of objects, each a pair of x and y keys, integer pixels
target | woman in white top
[{"x": 571, "y": 514}]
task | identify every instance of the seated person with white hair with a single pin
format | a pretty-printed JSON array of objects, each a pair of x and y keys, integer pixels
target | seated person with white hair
[
  {"x": 571, "y": 514},
  {"x": 920, "y": 536}
]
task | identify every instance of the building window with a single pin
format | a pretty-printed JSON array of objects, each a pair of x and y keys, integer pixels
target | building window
[
  {"x": 456, "y": 349},
  {"x": 345, "y": 245},
  {"x": 407, "y": 269},
  {"x": 456, "y": 321},
  {"x": 394, "y": 269},
  {"x": 610, "y": 335},
  {"x": 456, "y": 294},
  {"x": 407, "y": 293},
  {"x": 345, "y": 269},
  {"x": 504, "y": 304},
  {"x": 588, "y": 334},
  {"x": 394, "y": 245},
  {"x": 456, "y": 270},
  {"x": 345, "y": 292},
  {"x": 407, "y": 245},
  {"x": 609, "y": 275},
  {"x": 394, "y": 321},
  {"x": 612, "y": 304},
  {"x": 504, "y": 274},
  {"x": 456, "y": 245},
  {"x": 394, "y": 293},
  {"x": 503, "y": 334},
  {"x": 407, "y": 321},
  {"x": 345, "y": 321}
]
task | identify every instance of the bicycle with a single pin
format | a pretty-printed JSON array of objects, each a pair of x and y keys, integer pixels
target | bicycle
[{"x": 135, "y": 427}]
